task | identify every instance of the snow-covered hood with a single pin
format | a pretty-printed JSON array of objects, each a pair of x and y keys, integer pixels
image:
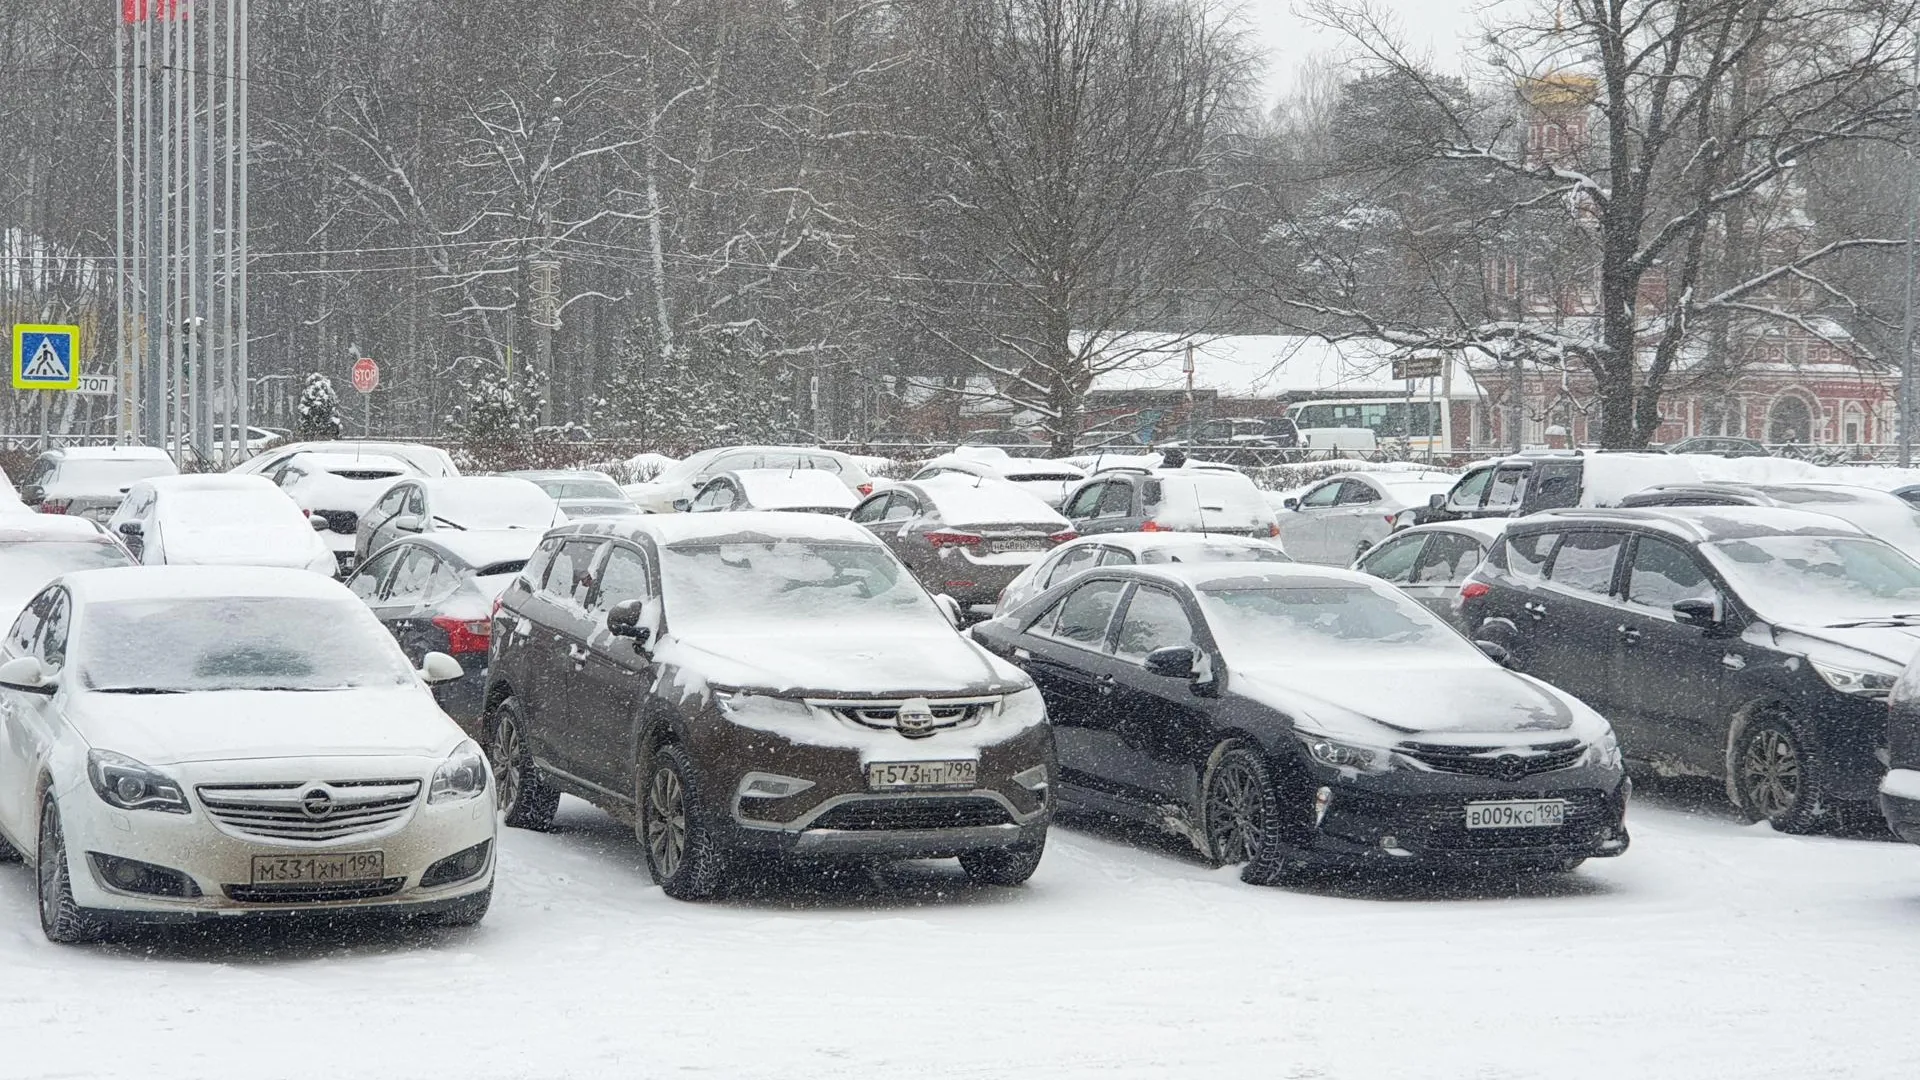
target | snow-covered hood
[
  {"x": 168, "y": 729},
  {"x": 1896, "y": 645},
  {"x": 1425, "y": 701},
  {"x": 827, "y": 662}
]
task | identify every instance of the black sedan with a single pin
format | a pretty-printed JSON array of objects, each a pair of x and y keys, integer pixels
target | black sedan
[
  {"x": 1291, "y": 717},
  {"x": 435, "y": 593}
]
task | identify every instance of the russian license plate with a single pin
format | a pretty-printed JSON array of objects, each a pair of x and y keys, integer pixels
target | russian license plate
[
  {"x": 1004, "y": 546},
  {"x": 889, "y": 775},
  {"x": 1533, "y": 814},
  {"x": 318, "y": 869}
]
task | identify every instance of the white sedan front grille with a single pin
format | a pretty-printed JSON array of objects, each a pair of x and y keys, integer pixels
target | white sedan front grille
[{"x": 312, "y": 811}]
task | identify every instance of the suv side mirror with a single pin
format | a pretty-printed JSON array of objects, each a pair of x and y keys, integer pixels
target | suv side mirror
[
  {"x": 1696, "y": 611},
  {"x": 683, "y": 505},
  {"x": 27, "y": 673},
  {"x": 1173, "y": 662},
  {"x": 624, "y": 621},
  {"x": 1437, "y": 501},
  {"x": 131, "y": 528},
  {"x": 33, "y": 494},
  {"x": 407, "y": 523},
  {"x": 950, "y": 608},
  {"x": 1496, "y": 652},
  {"x": 438, "y": 667},
  {"x": 319, "y": 522},
  {"x": 1290, "y": 503}
]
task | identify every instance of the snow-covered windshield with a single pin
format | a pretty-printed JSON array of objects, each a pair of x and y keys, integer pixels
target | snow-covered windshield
[
  {"x": 1818, "y": 580},
  {"x": 1202, "y": 500},
  {"x": 495, "y": 503},
  {"x": 108, "y": 474},
  {"x": 1328, "y": 625},
  {"x": 1211, "y": 553},
  {"x": 785, "y": 584},
  {"x": 40, "y": 561},
  {"x": 236, "y": 643},
  {"x": 580, "y": 487}
]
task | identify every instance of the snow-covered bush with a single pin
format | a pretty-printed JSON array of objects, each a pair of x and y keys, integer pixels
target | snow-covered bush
[
  {"x": 498, "y": 406},
  {"x": 318, "y": 415}
]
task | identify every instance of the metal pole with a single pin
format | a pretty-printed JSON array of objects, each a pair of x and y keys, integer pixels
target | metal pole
[
  {"x": 1913, "y": 238},
  {"x": 178, "y": 142},
  {"x": 245, "y": 150},
  {"x": 226, "y": 289},
  {"x": 167, "y": 319},
  {"x": 148, "y": 204},
  {"x": 195, "y": 340},
  {"x": 119, "y": 226}
]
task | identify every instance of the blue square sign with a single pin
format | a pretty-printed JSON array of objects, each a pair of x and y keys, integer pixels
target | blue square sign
[{"x": 46, "y": 357}]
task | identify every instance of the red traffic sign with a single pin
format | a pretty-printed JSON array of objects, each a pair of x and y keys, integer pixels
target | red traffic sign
[{"x": 366, "y": 375}]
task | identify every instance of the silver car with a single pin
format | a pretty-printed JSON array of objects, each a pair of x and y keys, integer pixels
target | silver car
[
  {"x": 90, "y": 481},
  {"x": 1339, "y": 518}
]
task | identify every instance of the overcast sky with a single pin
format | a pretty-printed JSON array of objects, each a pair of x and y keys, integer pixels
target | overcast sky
[{"x": 1437, "y": 25}]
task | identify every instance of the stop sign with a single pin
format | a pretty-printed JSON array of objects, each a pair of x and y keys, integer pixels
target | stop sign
[{"x": 366, "y": 375}]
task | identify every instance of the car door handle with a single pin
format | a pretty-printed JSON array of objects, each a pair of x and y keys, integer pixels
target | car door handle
[
  {"x": 579, "y": 654},
  {"x": 1629, "y": 635},
  {"x": 1535, "y": 609},
  {"x": 1105, "y": 683}
]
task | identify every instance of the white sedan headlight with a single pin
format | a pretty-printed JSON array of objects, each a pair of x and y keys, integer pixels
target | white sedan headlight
[
  {"x": 127, "y": 784},
  {"x": 462, "y": 776}
]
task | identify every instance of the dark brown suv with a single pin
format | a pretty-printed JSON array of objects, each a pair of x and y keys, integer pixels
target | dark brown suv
[{"x": 754, "y": 685}]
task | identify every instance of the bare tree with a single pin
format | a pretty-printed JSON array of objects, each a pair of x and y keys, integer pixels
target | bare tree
[{"x": 1635, "y": 150}]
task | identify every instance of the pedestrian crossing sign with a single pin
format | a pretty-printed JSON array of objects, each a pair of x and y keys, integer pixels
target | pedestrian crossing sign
[{"x": 46, "y": 357}]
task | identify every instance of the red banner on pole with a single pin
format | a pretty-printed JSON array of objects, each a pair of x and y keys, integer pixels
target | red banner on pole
[{"x": 134, "y": 11}]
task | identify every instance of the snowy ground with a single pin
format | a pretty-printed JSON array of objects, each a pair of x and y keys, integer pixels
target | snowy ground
[{"x": 1712, "y": 949}]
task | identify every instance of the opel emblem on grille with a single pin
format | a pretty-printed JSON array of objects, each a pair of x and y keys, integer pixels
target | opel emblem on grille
[
  {"x": 1509, "y": 767},
  {"x": 317, "y": 804},
  {"x": 915, "y": 718}
]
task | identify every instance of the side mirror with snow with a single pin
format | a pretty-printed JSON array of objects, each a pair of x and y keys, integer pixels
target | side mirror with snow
[
  {"x": 950, "y": 608},
  {"x": 319, "y": 522},
  {"x": 435, "y": 667},
  {"x": 29, "y": 674},
  {"x": 407, "y": 523}
]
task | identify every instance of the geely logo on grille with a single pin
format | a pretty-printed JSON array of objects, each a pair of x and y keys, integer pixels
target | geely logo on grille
[
  {"x": 1509, "y": 767},
  {"x": 915, "y": 718},
  {"x": 317, "y": 804}
]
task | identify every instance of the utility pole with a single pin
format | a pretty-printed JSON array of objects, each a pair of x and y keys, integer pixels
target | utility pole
[{"x": 1907, "y": 373}]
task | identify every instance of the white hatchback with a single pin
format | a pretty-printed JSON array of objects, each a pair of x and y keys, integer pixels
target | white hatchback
[{"x": 186, "y": 742}]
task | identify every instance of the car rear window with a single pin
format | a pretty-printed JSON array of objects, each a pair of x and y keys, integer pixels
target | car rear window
[{"x": 1585, "y": 561}]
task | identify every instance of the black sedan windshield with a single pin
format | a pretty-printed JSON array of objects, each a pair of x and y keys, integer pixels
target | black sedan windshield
[{"x": 1319, "y": 625}]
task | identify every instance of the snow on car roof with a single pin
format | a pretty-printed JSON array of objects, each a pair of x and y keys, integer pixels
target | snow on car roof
[
  {"x": 777, "y": 488},
  {"x": 37, "y": 528},
  {"x": 1708, "y": 523},
  {"x": 1138, "y": 542},
  {"x": 482, "y": 547},
  {"x": 211, "y": 482},
  {"x": 198, "y": 582},
  {"x": 963, "y": 500},
  {"x": 1200, "y": 575},
  {"x": 329, "y": 461},
  {"x": 680, "y": 528},
  {"x": 109, "y": 453},
  {"x": 1485, "y": 528}
]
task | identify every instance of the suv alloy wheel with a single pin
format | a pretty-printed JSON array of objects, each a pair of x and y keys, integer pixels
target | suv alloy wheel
[
  {"x": 683, "y": 853},
  {"x": 525, "y": 799},
  {"x": 1775, "y": 778}
]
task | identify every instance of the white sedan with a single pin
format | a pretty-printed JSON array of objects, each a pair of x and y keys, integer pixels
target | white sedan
[
  {"x": 219, "y": 519},
  {"x": 278, "y": 754}
]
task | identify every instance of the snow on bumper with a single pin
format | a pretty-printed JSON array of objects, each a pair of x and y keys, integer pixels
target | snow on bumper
[{"x": 217, "y": 854}]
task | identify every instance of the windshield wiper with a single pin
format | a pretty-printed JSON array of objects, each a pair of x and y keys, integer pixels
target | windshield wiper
[
  {"x": 452, "y": 524},
  {"x": 1909, "y": 619},
  {"x": 137, "y": 690}
]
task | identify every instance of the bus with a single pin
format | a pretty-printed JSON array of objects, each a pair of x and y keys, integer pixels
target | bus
[{"x": 1425, "y": 425}]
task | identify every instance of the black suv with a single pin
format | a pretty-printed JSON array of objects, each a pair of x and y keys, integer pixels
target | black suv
[
  {"x": 752, "y": 685},
  {"x": 1753, "y": 644}
]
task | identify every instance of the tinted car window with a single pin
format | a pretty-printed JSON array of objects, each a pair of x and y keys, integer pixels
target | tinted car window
[
  {"x": 52, "y": 648},
  {"x": 1507, "y": 487},
  {"x": 1154, "y": 620},
  {"x": 414, "y": 578},
  {"x": 1085, "y": 500},
  {"x": 1117, "y": 499},
  {"x": 569, "y": 575},
  {"x": 1663, "y": 573},
  {"x": 1555, "y": 485},
  {"x": 1324, "y": 495},
  {"x": 1083, "y": 615},
  {"x": 1393, "y": 560},
  {"x": 717, "y": 495},
  {"x": 872, "y": 510},
  {"x": 1527, "y": 554},
  {"x": 1354, "y": 493},
  {"x": 1470, "y": 488},
  {"x": 1072, "y": 563},
  {"x": 623, "y": 578},
  {"x": 1448, "y": 559},
  {"x": 1116, "y": 557},
  {"x": 1585, "y": 561}
]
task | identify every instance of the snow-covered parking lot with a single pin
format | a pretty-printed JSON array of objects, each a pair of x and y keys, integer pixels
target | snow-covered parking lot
[{"x": 1712, "y": 949}]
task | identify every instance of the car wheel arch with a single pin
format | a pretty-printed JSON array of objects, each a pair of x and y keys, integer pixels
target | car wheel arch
[{"x": 1766, "y": 707}]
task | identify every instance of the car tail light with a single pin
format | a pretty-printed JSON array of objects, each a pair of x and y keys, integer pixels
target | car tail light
[
  {"x": 865, "y": 490},
  {"x": 1391, "y": 518},
  {"x": 954, "y": 539},
  {"x": 1474, "y": 590},
  {"x": 496, "y": 605},
  {"x": 1063, "y": 536},
  {"x": 1154, "y": 526},
  {"x": 465, "y": 635},
  {"x": 52, "y": 507}
]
